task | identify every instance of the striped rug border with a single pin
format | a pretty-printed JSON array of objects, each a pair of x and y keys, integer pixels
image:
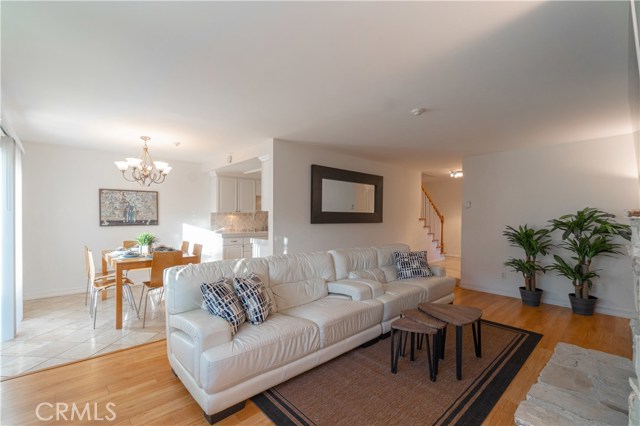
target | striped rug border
[{"x": 471, "y": 408}]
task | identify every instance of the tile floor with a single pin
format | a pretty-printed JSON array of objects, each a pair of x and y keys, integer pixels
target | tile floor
[{"x": 58, "y": 330}]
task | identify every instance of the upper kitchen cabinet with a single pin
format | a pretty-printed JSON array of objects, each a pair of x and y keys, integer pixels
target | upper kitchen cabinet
[
  {"x": 234, "y": 195},
  {"x": 246, "y": 195}
]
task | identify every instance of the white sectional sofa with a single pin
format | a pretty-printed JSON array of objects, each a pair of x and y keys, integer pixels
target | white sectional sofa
[{"x": 326, "y": 303}]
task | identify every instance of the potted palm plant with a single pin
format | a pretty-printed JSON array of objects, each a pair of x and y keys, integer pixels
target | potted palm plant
[
  {"x": 145, "y": 240},
  {"x": 586, "y": 234},
  {"x": 533, "y": 242}
]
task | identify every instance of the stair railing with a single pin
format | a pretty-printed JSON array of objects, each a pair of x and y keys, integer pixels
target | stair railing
[{"x": 433, "y": 219}]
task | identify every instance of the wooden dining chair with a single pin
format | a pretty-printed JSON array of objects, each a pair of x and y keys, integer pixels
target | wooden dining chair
[
  {"x": 100, "y": 283},
  {"x": 87, "y": 278},
  {"x": 99, "y": 275},
  {"x": 160, "y": 261},
  {"x": 197, "y": 250},
  {"x": 127, "y": 244},
  {"x": 185, "y": 247}
]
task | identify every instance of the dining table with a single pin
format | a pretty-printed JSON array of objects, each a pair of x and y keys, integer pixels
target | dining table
[{"x": 119, "y": 264}]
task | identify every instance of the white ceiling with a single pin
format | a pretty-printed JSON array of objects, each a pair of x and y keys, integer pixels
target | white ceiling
[{"x": 221, "y": 76}]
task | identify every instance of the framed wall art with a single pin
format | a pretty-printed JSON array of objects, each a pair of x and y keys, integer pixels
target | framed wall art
[{"x": 123, "y": 207}]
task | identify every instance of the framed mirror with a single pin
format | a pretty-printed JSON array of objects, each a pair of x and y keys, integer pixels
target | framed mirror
[{"x": 345, "y": 196}]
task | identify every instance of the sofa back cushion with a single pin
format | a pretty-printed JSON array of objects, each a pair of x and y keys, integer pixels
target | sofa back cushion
[
  {"x": 300, "y": 278},
  {"x": 182, "y": 283},
  {"x": 375, "y": 274},
  {"x": 258, "y": 266},
  {"x": 386, "y": 261},
  {"x": 353, "y": 259}
]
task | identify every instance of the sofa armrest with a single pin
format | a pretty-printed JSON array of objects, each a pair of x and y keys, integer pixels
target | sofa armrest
[
  {"x": 438, "y": 271},
  {"x": 353, "y": 289},
  {"x": 204, "y": 329}
]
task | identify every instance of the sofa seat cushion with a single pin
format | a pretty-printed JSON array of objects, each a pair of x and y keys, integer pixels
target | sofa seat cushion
[
  {"x": 406, "y": 297},
  {"x": 338, "y": 319},
  {"x": 256, "y": 349},
  {"x": 392, "y": 306},
  {"x": 436, "y": 287}
]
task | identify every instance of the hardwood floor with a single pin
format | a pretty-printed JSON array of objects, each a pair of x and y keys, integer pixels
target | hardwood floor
[{"x": 140, "y": 383}]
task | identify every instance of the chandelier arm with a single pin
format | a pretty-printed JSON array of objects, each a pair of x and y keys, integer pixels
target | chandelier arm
[
  {"x": 127, "y": 179},
  {"x": 146, "y": 172}
]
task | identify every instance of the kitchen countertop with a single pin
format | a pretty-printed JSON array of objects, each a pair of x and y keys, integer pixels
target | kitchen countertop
[{"x": 247, "y": 234}]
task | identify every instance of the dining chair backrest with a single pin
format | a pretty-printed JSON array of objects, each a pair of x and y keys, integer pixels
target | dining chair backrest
[
  {"x": 86, "y": 260},
  {"x": 185, "y": 247},
  {"x": 162, "y": 260},
  {"x": 129, "y": 243},
  {"x": 197, "y": 250},
  {"x": 91, "y": 266}
]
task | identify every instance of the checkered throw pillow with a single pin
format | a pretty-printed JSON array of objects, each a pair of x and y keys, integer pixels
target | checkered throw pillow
[
  {"x": 221, "y": 301},
  {"x": 254, "y": 298},
  {"x": 411, "y": 264}
]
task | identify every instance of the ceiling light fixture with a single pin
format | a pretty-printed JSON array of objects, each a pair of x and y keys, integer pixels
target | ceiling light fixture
[
  {"x": 418, "y": 111},
  {"x": 144, "y": 170},
  {"x": 456, "y": 174}
]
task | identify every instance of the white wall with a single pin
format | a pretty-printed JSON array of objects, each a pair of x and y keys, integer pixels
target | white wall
[
  {"x": 533, "y": 186},
  {"x": 447, "y": 195},
  {"x": 61, "y": 212},
  {"x": 290, "y": 225}
]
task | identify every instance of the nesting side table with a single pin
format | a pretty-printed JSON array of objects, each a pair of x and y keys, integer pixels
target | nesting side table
[{"x": 458, "y": 316}]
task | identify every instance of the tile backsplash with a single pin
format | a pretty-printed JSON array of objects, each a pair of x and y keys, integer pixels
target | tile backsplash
[{"x": 240, "y": 222}]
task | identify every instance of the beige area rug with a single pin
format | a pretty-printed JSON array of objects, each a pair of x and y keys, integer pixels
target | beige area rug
[{"x": 358, "y": 387}]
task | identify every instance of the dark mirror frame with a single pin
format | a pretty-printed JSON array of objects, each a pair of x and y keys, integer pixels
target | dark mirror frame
[{"x": 321, "y": 172}]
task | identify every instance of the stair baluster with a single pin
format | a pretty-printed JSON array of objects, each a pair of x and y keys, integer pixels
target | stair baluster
[{"x": 432, "y": 219}]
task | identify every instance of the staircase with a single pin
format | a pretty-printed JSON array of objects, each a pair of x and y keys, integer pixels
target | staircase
[{"x": 433, "y": 223}]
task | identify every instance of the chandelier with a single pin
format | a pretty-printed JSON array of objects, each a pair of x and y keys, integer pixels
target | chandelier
[{"x": 144, "y": 170}]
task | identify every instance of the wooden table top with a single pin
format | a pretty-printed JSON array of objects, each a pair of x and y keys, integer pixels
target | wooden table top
[
  {"x": 453, "y": 314},
  {"x": 407, "y": 324},
  {"x": 421, "y": 317}
]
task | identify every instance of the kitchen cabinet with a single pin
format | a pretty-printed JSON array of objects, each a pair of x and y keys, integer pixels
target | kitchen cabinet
[
  {"x": 236, "y": 248},
  {"x": 227, "y": 198},
  {"x": 234, "y": 195},
  {"x": 246, "y": 195}
]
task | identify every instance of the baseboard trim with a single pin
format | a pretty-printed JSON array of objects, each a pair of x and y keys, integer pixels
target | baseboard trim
[
  {"x": 53, "y": 293},
  {"x": 600, "y": 308}
]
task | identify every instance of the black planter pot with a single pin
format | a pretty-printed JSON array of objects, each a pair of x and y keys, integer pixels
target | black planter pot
[
  {"x": 582, "y": 306},
  {"x": 531, "y": 298}
]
